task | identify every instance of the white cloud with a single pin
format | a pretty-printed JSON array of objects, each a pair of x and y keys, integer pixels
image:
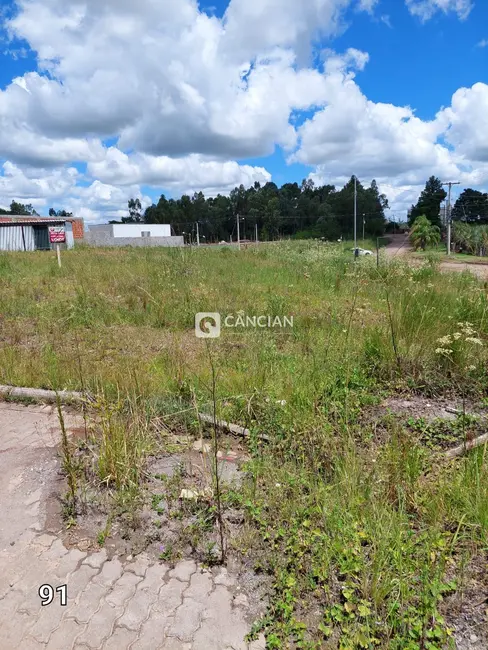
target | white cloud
[
  {"x": 468, "y": 122},
  {"x": 45, "y": 188},
  {"x": 483, "y": 43},
  {"x": 186, "y": 95},
  {"x": 425, "y": 9},
  {"x": 189, "y": 174},
  {"x": 101, "y": 199},
  {"x": 368, "y": 5},
  {"x": 354, "y": 135},
  {"x": 33, "y": 185},
  {"x": 167, "y": 78}
]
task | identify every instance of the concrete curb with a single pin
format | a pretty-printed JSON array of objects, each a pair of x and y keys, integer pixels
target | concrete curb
[{"x": 41, "y": 395}]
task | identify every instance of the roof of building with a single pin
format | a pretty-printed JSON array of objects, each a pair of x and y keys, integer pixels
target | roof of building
[
  {"x": 32, "y": 220},
  {"x": 6, "y": 220}
]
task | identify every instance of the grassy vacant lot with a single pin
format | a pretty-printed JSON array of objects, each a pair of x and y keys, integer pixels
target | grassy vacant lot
[
  {"x": 366, "y": 529},
  {"x": 439, "y": 253}
]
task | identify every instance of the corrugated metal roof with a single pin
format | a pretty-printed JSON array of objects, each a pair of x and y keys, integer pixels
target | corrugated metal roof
[
  {"x": 77, "y": 223},
  {"x": 41, "y": 221}
]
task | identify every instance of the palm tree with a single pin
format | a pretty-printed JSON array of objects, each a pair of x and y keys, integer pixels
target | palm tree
[{"x": 424, "y": 234}]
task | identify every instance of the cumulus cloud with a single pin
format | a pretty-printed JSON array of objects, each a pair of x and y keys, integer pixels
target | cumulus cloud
[
  {"x": 45, "y": 188},
  {"x": 189, "y": 174},
  {"x": 468, "y": 122},
  {"x": 183, "y": 96},
  {"x": 166, "y": 78},
  {"x": 425, "y": 9},
  {"x": 354, "y": 134}
]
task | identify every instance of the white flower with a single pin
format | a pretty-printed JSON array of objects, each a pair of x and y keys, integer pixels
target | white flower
[
  {"x": 445, "y": 340},
  {"x": 472, "y": 339}
]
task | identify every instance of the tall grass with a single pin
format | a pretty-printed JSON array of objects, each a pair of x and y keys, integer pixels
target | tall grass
[{"x": 367, "y": 531}]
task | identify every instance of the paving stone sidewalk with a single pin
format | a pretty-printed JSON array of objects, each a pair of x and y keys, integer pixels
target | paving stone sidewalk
[{"x": 110, "y": 605}]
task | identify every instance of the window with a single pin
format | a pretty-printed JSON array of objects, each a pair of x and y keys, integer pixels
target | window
[{"x": 145, "y": 233}]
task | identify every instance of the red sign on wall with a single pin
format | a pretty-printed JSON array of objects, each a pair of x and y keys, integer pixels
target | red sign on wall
[{"x": 57, "y": 235}]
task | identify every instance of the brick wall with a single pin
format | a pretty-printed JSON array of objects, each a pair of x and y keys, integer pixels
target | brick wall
[{"x": 78, "y": 228}]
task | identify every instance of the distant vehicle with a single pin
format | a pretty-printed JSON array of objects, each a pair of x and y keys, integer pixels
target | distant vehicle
[{"x": 362, "y": 252}]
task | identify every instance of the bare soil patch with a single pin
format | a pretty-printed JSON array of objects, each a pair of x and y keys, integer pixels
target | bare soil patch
[{"x": 175, "y": 517}]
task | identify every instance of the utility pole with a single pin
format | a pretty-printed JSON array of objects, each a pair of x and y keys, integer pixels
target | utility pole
[
  {"x": 364, "y": 221},
  {"x": 257, "y": 233},
  {"x": 198, "y": 235},
  {"x": 355, "y": 218},
  {"x": 449, "y": 184},
  {"x": 238, "y": 233}
]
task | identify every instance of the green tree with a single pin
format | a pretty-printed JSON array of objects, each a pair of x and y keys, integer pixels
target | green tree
[
  {"x": 59, "y": 213},
  {"x": 135, "y": 209},
  {"x": 471, "y": 206},
  {"x": 424, "y": 233},
  {"x": 429, "y": 203},
  {"x": 21, "y": 209}
]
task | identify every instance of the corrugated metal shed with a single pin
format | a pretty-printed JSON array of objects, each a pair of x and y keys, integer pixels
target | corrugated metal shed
[
  {"x": 27, "y": 234},
  {"x": 77, "y": 224},
  {"x": 17, "y": 238}
]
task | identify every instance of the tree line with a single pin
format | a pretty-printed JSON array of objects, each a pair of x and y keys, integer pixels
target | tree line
[
  {"x": 27, "y": 210},
  {"x": 469, "y": 215},
  {"x": 20, "y": 209},
  {"x": 292, "y": 210},
  {"x": 471, "y": 206}
]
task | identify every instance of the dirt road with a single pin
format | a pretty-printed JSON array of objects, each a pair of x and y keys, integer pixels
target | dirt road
[
  {"x": 111, "y": 604},
  {"x": 399, "y": 246}
]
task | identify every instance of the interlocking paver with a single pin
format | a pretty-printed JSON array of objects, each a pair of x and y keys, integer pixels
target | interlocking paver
[
  {"x": 173, "y": 643},
  {"x": 64, "y": 637},
  {"x": 183, "y": 570},
  {"x": 200, "y": 587},
  {"x": 10, "y": 635},
  {"x": 221, "y": 624},
  {"x": 95, "y": 560},
  {"x": 137, "y": 610},
  {"x": 170, "y": 596},
  {"x": 121, "y": 639},
  {"x": 48, "y": 620},
  {"x": 124, "y": 588},
  {"x": 139, "y": 566},
  {"x": 112, "y": 605},
  {"x": 110, "y": 573},
  {"x": 88, "y": 603},
  {"x": 30, "y": 644},
  {"x": 100, "y": 626},
  {"x": 153, "y": 632},
  {"x": 55, "y": 551},
  {"x": 154, "y": 578},
  {"x": 187, "y": 620},
  {"x": 77, "y": 582},
  {"x": 68, "y": 563}
]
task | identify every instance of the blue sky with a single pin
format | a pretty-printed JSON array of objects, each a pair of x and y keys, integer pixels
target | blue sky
[{"x": 352, "y": 91}]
